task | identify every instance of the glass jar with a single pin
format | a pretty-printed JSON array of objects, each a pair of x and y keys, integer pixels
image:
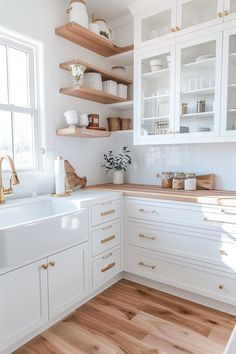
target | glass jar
[
  {"x": 178, "y": 181},
  {"x": 166, "y": 179},
  {"x": 190, "y": 183}
]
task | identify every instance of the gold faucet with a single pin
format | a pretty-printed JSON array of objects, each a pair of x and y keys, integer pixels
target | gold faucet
[{"x": 13, "y": 180}]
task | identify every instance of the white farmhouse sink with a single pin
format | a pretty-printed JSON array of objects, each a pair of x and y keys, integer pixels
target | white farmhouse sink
[{"x": 40, "y": 227}]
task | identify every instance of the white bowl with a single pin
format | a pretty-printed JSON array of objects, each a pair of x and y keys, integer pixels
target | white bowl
[
  {"x": 93, "y": 81},
  {"x": 156, "y": 68},
  {"x": 155, "y": 62}
]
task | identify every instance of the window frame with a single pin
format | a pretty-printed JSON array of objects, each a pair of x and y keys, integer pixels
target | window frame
[{"x": 36, "y": 107}]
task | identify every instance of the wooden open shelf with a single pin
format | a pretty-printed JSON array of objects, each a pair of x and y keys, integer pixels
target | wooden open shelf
[
  {"x": 106, "y": 75},
  {"x": 83, "y": 133},
  {"x": 90, "y": 40},
  {"x": 91, "y": 95}
]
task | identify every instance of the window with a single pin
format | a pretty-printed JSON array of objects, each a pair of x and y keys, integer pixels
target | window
[{"x": 19, "y": 114}]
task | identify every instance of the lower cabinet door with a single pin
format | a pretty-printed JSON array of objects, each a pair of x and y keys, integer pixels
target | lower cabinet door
[
  {"x": 67, "y": 279},
  {"x": 23, "y": 302}
]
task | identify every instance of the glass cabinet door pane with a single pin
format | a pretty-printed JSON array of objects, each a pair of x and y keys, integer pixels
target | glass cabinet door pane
[
  {"x": 232, "y": 6},
  {"x": 197, "y": 88},
  {"x": 195, "y": 12},
  {"x": 156, "y": 26},
  {"x": 155, "y": 108},
  {"x": 231, "y": 108}
]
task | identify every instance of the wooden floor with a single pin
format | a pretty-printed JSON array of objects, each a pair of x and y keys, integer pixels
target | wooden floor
[{"x": 131, "y": 318}]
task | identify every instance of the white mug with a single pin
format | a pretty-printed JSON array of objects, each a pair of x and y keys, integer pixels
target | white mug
[
  {"x": 71, "y": 118},
  {"x": 83, "y": 120},
  {"x": 94, "y": 27}
]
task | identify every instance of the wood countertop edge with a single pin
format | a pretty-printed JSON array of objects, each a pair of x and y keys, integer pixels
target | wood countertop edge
[{"x": 213, "y": 197}]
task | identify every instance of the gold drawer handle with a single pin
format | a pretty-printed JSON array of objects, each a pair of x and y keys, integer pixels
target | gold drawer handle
[
  {"x": 147, "y": 237},
  {"x": 107, "y": 256},
  {"x": 52, "y": 264},
  {"x": 223, "y": 253},
  {"x": 220, "y": 221},
  {"x": 221, "y": 286},
  {"x": 109, "y": 266},
  {"x": 220, "y": 14},
  {"x": 223, "y": 211},
  {"x": 143, "y": 211},
  {"x": 226, "y": 13},
  {"x": 147, "y": 266},
  {"x": 178, "y": 29},
  {"x": 105, "y": 240},
  {"x": 44, "y": 266},
  {"x": 108, "y": 212}
]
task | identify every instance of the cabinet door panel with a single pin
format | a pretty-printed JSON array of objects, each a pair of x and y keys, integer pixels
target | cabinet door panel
[
  {"x": 228, "y": 124},
  {"x": 23, "y": 302},
  {"x": 198, "y": 89},
  {"x": 67, "y": 279},
  {"x": 229, "y": 10},
  {"x": 155, "y": 96},
  {"x": 196, "y": 14}
]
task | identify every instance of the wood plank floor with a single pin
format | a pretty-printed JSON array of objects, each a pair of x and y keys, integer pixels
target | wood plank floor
[{"x": 134, "y": 319}]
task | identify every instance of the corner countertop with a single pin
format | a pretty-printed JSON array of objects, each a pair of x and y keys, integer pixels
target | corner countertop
[{"x": 215, "y": 197}]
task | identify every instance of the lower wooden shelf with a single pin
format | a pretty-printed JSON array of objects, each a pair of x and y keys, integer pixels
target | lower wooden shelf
[
  {"x": 83, "y": 133},
  {"x": 91, "y": 95}
]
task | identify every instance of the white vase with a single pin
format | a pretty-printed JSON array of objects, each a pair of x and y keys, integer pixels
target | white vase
[{"x": 118, "y": 177}]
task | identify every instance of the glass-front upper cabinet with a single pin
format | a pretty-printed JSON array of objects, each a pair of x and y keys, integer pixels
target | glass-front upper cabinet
[
  {"x": 198, "y": 87},
  {"x": 228, "y": 124},
  {"x": 156, "y": 24},
  {"x": 197, "y": 14},
  {"x": 155, "y": 96}
]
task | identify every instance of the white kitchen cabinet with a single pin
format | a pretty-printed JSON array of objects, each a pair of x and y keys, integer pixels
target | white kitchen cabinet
[
  {"x": 198, "y": 88},
  {"x": 67, "y": 279},
  {"x": 23, "y": 302},
  {"x": 154, "y": 95},
  {"x": 228, "y": 123}
]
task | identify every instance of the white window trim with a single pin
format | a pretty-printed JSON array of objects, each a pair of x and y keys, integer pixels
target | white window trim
[{"x": 36, "y": 71}]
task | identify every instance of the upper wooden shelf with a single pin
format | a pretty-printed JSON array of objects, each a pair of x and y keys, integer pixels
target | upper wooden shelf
[
  {"x": 91, "y": 95},
  {"x": 90, "y": 40},
  {"x": 83, "y": 133},
  {"x": 106, "y": 75}
]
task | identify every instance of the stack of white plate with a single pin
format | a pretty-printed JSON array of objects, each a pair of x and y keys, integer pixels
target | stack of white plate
[{"x": 93, "y": 81}]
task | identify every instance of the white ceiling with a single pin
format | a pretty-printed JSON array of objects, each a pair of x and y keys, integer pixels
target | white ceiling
[{"x": 108, "y": 9}]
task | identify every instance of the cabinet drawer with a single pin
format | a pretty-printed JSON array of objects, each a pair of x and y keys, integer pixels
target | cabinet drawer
[
  {"x": 105, "y": 212},
  {"x": 183, "y": 275},
  {"x": 217, "y": 248},
  {"x": 105, "y": 238},
  {"x": 168, "y": 212},
  {"x": 106, "y": 267}
]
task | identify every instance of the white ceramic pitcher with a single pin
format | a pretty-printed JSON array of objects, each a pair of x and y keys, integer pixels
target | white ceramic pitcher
[
  {"x": 105, "y": 28},
  {"x": 78, "y": 12}
]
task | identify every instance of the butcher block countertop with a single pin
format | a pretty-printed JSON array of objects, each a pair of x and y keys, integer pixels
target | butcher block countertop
[{"x": 215, "y": 197}]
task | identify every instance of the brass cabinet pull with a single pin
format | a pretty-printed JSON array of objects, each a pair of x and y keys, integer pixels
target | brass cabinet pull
[
  {"x": 108, "y": 212},
  {"x": 147, "y": 237},
  {"x": 105, "y": 240},
  {"x": 141, "y": 210},
  {"x": 220, "y": 221},
  {"x": 220, "y": 14},
  {"x": 52, "y": 264},
  {"x": 146, "y": 265},
  {"x": 107, "y": 256},
  {"x": 172, "y": 29},
  {"x": 177, "y": 29},
  {"x": 221, "y": 286},
  {"x": 223, "y": 253},
  {"x": 44, "y": 266},
  {"x": 226, "y": 13},
  {"x": 107, "y": 267},
  {"x": 107, "y": 228}
]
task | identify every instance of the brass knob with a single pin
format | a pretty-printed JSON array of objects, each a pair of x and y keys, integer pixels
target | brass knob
[
  {"x": 52, "y": 264},
  {"x": 221, "y": 287},
  {"x": 172, "y": 29},
  {"x": 44, "y": 266},
  {"x": 226, "y": 13},
  {"x": 223, "y": 253},
  {"x": 220, "y": 14},
  {"x": 177, "y": 29}
]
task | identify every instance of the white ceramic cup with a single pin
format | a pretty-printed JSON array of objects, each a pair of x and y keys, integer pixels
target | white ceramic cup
[
  {"x": 94, "y": 27},
  {"x": 83, "y": 120},
  {"x": 71, "y": 118}
]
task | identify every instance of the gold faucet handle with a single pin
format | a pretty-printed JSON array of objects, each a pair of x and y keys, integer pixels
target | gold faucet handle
[{"x": 14, "y": 178}]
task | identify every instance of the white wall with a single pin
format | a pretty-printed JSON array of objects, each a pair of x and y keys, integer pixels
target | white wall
[{"x": 38, "y": 19}]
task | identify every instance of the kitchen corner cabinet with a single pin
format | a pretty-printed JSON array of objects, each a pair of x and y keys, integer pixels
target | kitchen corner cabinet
[
  {"x": 174, "y": 18},
  {"x": 23, "y": 302}
]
